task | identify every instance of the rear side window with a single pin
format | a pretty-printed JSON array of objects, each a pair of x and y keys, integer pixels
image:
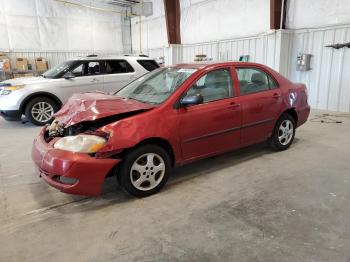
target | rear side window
[
  {"x": 118, "y": 67},
  {"x": 149, "y": 65},
  {"x": 252, "y": 80}
]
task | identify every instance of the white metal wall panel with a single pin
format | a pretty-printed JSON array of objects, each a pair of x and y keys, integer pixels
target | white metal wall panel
[
  {"x": 49, "y": 26},
  {"x": 155, "y": 53},
  {"x": 261, "y": 49},
  {"x": 328, "y": 81}
]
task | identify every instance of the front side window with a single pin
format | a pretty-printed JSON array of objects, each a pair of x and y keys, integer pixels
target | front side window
[
  {"x": 88, "y": 68},
  {"x": 156, "y": 86},
  {"x": 59, "y": 70},
  {"x": 252, "y": 80},
  {"x": 214, "y": 85},
  {"x": 118, "y": 67}
]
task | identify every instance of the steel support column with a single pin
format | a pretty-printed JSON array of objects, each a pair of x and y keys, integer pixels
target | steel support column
[
  {"x": 276, "y": 14},
  {"x": 172, "y": 17}
]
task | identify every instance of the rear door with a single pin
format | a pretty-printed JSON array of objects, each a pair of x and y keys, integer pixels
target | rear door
[
  {"x": 118, "y": 73},
  {"x": 261, "y": 101},
  {"x": 213, "y": 126}
]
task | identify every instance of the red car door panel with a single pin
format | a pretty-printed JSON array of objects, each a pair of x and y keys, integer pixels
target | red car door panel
[
  {"x": 213, "y": 126},
  {"x": 259, "y": 114},
  {"x": 209, "y": 128},
  {"x": 261, "y": 100}
]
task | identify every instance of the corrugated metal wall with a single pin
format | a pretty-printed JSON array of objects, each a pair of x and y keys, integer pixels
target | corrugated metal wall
[
  {"x": 261, "y": 49},
  {"x": 329, "y": 79}
]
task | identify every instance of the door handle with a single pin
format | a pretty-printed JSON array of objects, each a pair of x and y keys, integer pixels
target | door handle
[
  {"x": 95, "y": 80},
  {"x": 234, "y": 105},
  {"x": 276, "y": 96}
]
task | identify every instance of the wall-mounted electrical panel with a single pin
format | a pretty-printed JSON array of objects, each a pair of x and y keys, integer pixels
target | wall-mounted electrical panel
[{"x": 304, "y": 62}]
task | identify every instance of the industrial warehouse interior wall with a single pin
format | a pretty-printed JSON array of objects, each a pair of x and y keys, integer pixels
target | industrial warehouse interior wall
[
  {"x": 317, "y": 13},
  {"x": 202, "y": 21},
  {"x": 43, "y": 25},
  {"x": 328, "y": 81},
  {"x": 209, "y": 20},
  {"x": 153, "y": 33}
]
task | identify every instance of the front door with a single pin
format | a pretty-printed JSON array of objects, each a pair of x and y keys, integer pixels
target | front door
[
  {"x": 213, "y": 126},
  {"x": 88, "y": 78},
  {"x": 260, "y": 99}
]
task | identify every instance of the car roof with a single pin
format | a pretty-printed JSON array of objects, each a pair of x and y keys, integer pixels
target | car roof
[
  {"x": 109, "y": 57},
  {"x": 204, "y": 64}
]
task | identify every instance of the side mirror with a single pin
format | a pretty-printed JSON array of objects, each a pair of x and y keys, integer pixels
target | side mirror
[
  {"x": 68, "y": 75},
  {"x": 190, "y": 100}
]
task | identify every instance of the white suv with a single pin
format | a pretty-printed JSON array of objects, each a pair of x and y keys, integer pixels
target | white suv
[{"x": 38, "y": 98}]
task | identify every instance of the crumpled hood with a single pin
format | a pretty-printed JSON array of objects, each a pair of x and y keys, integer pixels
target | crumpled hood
[
  {"x": 26, "y": 80},
  {"x": 91, "y": 106}
]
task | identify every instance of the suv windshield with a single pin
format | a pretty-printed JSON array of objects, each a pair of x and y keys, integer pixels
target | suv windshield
[
  {"x": 58, "y": 70},
  {"x": 157, "y": 86}
]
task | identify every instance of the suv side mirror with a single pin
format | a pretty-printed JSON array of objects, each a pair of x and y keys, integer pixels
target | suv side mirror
[
  {"x": 68, "y": 75},
  {"x": 190, "y": 100}
]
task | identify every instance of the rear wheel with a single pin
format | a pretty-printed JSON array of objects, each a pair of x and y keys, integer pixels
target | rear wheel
[
  {"x": 40, "y": 110},
  {"x": 283, "y": 134},
  {"x": 144, "y": 170}
]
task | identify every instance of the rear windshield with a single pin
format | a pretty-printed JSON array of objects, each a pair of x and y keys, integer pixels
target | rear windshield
[{"x": 149, "y": 65}]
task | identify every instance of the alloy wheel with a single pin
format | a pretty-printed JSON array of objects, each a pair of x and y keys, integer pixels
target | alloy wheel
[
  {"x": 285, "y": 132},
  {"x": 42, "y": 112},
  {"x": 147, "y": 171}
]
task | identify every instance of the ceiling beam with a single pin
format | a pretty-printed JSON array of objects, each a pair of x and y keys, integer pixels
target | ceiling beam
[{"x": 172, "y": 17}]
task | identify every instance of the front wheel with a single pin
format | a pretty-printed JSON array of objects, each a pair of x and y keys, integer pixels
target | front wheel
[
  {"x": 144, "y": 171},
  {"x": 283, "y": 133},
  {"x": 40, "y": 110}
]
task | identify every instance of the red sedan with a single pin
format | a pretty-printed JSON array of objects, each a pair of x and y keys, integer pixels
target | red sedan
[{"x": 167, "y": 118}]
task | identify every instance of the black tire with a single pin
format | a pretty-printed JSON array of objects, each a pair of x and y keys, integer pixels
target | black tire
[
  {"x": 34, "y": 102},
  {"x": 124, "y": 175},
  {"x": 275, "y": 141}
]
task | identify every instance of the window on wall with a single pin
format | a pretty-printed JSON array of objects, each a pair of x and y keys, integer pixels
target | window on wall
[
  {"x": 214, "y": 85},
  {"x": 252, "y": 80}
]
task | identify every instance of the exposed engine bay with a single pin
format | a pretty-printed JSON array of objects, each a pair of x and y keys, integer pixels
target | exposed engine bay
[{"x": 57, "y": 128}]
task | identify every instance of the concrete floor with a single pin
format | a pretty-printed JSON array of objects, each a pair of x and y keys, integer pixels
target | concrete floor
[{"x": 250, "y": 205}]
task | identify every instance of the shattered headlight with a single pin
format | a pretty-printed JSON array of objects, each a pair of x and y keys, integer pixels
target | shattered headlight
[
  {"x": 6, "y": 90},
  {"x": 81, "y": 143}
]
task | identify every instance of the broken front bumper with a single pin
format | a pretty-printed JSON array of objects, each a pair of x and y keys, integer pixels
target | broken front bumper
[{"x": 74, "y": 173}]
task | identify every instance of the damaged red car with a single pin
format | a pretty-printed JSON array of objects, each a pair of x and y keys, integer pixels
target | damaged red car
[{"x": 169, "y": 117}]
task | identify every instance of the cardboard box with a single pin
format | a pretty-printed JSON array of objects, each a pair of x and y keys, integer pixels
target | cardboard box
[
  {"x": 6, "y": 63},
  {"x": 22, "y": 64},
  {"x": 41, "y": 64}
]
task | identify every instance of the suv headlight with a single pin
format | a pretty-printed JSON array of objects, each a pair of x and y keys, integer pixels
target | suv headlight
[
  {"x": 6, "y": 90},
  {"x": 81, "y": 143}
]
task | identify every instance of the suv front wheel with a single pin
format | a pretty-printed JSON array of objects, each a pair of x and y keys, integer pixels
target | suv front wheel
[{"x": 40, "y": 110}]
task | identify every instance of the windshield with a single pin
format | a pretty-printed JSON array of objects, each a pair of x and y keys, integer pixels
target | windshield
[
  {"x": 58, "y": 70},
  {"x": 157, "y": 86}
]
